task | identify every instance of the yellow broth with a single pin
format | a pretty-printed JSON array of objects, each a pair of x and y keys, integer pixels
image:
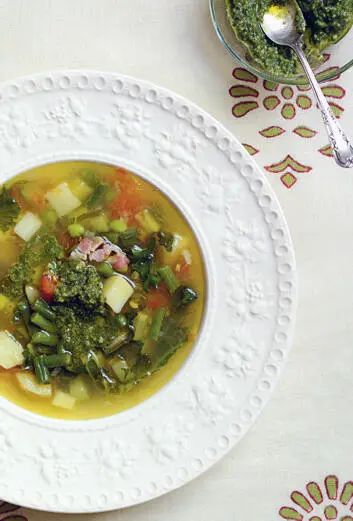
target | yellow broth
[{"x": 45, "y": 178}]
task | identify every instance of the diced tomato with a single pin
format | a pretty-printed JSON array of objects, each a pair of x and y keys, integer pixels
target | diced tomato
[
  {"x": 184, "y": 268},
  {"x": 48, "y": 285},
  {"x": 66, "y": 241},
  {"x": 129, "y": 201},
  {"x": 39, "y": 201},
  {"x": 158, "y": 298}
]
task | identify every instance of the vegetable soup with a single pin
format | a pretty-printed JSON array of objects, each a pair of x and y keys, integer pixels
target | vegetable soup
[{"x": 101, "y": 290}]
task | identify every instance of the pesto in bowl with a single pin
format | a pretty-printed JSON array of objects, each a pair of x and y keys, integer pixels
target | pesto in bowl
[{"x": 327, "y": 22}]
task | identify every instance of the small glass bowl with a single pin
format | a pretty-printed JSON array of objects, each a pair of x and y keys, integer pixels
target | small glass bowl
[{"x": 341, "y": 53}]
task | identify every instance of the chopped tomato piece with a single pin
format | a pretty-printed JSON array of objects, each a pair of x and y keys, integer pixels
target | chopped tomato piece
[
  {"x": 66, "y": 241},
  {"x": 39, "y": 201},
  {"x": 48, "y": 285},
  {"x": 158, "y": 298},
  {"x": 129, "y": 201}
]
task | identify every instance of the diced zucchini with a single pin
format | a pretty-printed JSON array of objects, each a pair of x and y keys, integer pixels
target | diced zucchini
[
  {"x": 79, "y": 388},
  {"x": 27, "y": 226},
  {"x": 63, "y": 200},
  {"x": 80, "y": 189},
  {"x": 99, "y": 224},
  {"x": 117, "y": 290},
  {"x": 142, "y": 325},
  {"x": 29, "y": 383},
  {"x": 148, "y": 222},
  {"x": 63, "y": 400},
  {"x": 11, "y": 351},
  {"x": 6, "y": 305},
  {"x": 121, "y": 370},
  {"x": 49, "y": 217},
  {"x": 32, "y": 294}
]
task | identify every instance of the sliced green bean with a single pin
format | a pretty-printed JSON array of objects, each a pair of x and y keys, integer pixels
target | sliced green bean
[
  {"x": 169, "y": 278},
  {"x": 157, "y": 324},
  {"x": 45, "y": 338},
  {"x": 44, "y": 309},
  {"x": 41, "y": 370},
  {"x": 61, "y": 360},
  {"x": 24, "y": 311},
  {"x": 43, "y": 323},
  {"x": 105, "y": 269}
]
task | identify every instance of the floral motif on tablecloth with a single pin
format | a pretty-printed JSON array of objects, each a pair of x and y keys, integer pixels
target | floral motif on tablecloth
[
  {"x": 288, "y": 103},
  {"x": 321, "y": 501}
]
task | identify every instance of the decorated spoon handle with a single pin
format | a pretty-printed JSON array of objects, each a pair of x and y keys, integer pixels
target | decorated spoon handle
[{"x": 342, "y": 148}]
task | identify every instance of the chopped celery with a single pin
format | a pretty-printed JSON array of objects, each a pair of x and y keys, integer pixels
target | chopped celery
[
  {"x": 157, "y": 324},
  {"x": 148, "y": 222},
  {"x": 142, "y": 324},
  {"x": 80, "y": 189},
  {"x": 99, "y": 224},
  {"x": 121, "y": 370},
  {"x": 169, "y": 278}
]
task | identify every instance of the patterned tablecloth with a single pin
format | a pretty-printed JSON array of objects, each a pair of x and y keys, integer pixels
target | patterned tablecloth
[{"x": 297, "y": 462}]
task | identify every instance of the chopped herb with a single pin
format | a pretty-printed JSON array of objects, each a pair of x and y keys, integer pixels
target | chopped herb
[{"x": 9, "y": 210}]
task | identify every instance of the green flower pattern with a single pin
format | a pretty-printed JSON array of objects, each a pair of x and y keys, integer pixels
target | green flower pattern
[
  {"x": 321, "y": 502},
  {"x": 287, "y": 103}
]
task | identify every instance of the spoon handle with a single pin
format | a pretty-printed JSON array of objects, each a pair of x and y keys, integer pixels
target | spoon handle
[{"x": 342, "y": 148}]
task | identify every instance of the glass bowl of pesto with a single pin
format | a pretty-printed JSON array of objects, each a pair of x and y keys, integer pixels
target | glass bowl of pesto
[{"x": 329, "y": 32}]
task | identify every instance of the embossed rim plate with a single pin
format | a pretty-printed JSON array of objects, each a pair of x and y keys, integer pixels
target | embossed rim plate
[{"x": 115, "y": 462}]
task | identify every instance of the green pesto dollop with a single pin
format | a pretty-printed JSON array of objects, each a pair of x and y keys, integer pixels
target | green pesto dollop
[{"x": 327, "y": 22}]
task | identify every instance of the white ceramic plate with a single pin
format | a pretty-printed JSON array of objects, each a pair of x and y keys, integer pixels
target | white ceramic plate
[{"x": 98, "y": 465}]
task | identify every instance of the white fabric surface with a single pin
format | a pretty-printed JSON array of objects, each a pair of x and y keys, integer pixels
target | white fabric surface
[{"x": 306, "y": 431}]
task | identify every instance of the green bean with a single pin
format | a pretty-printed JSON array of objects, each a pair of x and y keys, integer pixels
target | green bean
[
  {"x": 157, "y": 324},
  {"x": 62, "y": 360},
  {"x": 41, "y": 370},
  {"x": 23, "y": 311},
  {"x": 105, "y": 269},
  {"x": 169, "y": 278},
  {"x": 45, "y": 338},
  {"x": 43, "y": 323},
  {"x": 44, "y": 309}
]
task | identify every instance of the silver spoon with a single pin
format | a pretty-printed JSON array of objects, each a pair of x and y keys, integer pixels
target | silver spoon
[{"x": 280, "y": 24}]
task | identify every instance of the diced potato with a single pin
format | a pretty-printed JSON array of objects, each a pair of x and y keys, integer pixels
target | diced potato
[
  {"x": 29, "y": 383},
  {"x": 148, "y": 222},
  {"x": 79, "y": 388},
  {"x": 27, "y": 226},
  {"x": 63, "y": 400},
  {"x": 63, "y": 200},
  {"x": 117, "y": 290},
  {"x": 80, "y": 189},
  {"x": 11, "y": 351}
]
